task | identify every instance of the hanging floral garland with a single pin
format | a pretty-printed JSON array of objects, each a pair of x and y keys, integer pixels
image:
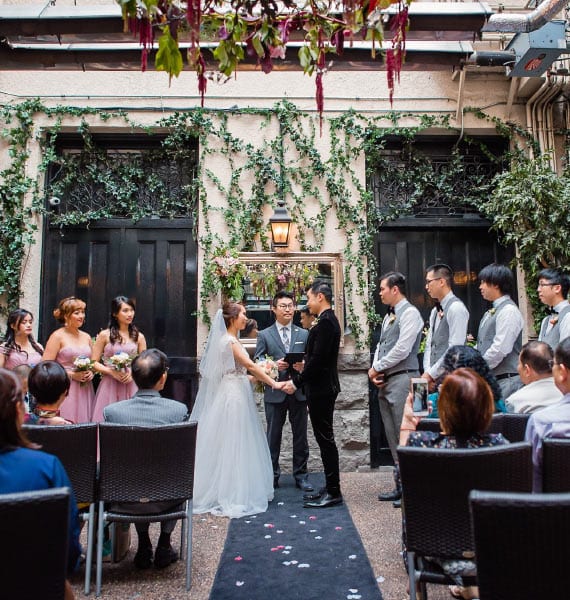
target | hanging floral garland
[{"x": 260, "y": 30}]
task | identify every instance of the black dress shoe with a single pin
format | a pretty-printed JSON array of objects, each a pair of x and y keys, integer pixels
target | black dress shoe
[
  {"x": 303, "y": 484},
  {"x": 397, "y": 503},
  {"x": 164, "y": 556},
  {"x": 393, "y": 495},
  {"x": 324, "y": 501},
  {"x": 143, "y": 557},
  {"x": 315, "y": 495},
  {"x": 275, "y": 483}
]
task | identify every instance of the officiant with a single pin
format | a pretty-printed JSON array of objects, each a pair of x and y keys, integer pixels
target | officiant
[{"x": 279, "y": 339}]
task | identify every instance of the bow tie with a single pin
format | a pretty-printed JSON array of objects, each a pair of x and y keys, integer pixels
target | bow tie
[
  {"x": 438, "y": 307},
  {"x": 391, "y": 311},
  {"x": 552, "y": 310}
]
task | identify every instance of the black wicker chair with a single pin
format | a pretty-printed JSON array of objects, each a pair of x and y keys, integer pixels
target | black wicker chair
[
  {"x": 76, "y": 448},
  {"x": 555, "y": 465},
  {"x": 34, "y": 532},
  {"x": 521, "y": 542},
  {"x": 435, "y": 486},
  {"x": 428, "y": 424},
  {"x": 514, "y": 426},
  {"x": 149, "y": 464}
]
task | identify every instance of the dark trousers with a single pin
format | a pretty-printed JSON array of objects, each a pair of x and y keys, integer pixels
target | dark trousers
[
  {"x": 321, "y": 412},
  {"x": 275, "y": 414}
]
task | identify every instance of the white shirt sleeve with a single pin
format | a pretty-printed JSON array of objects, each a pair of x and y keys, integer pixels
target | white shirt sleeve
[
  {"x": 509, "y": 324},
  {"x": 410, "y": 326},
  {"x": 458, "y": 320},
  {"x": 427, "y": 351}
]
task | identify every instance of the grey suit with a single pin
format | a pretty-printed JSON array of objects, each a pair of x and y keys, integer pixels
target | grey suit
[
  {"x": 277, "y": 403},
  {"x": 147, "y": 408}
]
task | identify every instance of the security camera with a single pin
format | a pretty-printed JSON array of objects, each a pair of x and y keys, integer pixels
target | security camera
[{"x": 54, "y": 201}]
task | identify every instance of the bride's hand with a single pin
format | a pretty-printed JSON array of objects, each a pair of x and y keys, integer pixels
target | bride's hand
[{"x": 279, "y": 385}]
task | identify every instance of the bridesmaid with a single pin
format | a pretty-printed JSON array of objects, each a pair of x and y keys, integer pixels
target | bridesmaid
[
  {"x": 19, "y": 346},
  {"x": 65, "y": 345},
  {"x": 121, "y": 336}
]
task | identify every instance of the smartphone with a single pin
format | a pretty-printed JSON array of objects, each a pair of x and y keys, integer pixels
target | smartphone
[{"x": 420, "y": 396}]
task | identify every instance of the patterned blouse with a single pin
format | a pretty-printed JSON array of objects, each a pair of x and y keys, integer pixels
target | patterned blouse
[{"x": 431, "y": 439}]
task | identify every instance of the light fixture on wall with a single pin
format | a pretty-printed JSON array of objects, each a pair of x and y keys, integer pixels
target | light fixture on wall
[{"x": 280, "y": 224}]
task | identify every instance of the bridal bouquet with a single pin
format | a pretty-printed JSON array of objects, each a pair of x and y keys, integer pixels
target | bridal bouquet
[
  {"x": 120, "y": 361},
  {"x": 270, "y": 368},
  {"x": 83, "y": 363}
]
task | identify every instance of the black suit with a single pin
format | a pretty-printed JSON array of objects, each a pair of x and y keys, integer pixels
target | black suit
[{"x": 319, "y": 380}]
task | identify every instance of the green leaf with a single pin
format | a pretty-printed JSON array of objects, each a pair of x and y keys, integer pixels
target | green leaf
[{"x": 168, "y": 57}]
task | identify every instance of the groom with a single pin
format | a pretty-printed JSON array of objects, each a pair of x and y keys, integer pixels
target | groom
[
  {"x": 319, "y": 379},
  {"x": 275, "y": 341}
]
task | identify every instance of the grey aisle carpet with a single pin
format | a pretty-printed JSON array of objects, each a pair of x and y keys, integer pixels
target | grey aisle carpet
[{"x": 294, "y": 552}]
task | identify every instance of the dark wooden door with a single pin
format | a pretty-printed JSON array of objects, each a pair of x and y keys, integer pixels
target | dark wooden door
[
  {"x": 152, "y": 261},
  {"x": 412, "y": 245}
]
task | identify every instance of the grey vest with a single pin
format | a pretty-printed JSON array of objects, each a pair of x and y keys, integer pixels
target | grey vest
[
  {"x": 552, "y": 338},
  {"x": 389, "y": 337},
  {"x": 440, "y": 336},
  {"x": 487, "y": 330}
]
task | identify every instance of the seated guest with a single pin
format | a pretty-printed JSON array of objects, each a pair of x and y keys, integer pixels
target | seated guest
[
  {"x": 307, "y": 318},
  {"x": 23, "y": 372},
  {"x": 250, "y": 329},
  {"x": 25, "y": 469},
  {"x": 465, "y": 409},
  {"x": 467, "y": 356},
  {"x": 147, "y": 408},
  {"x": 535, "y": 370},
  {"x": 49, "y": 384},
  {"x": 553, "y": 421}
]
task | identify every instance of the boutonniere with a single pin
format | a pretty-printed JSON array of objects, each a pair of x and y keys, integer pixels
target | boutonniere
[
  {"x": 492, "y": 311},
  {"x": 440, "y": 314},
  {"x": 554, "y": 320},
  {"x": 391, "y": 319}
]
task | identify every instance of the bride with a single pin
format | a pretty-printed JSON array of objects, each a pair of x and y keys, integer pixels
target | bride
[{"x": 234, "y": 475}]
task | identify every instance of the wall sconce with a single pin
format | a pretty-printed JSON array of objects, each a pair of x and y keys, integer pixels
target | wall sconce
[{"x": 280, "y": 224}]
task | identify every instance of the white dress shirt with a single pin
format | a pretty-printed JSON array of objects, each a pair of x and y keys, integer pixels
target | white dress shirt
[
  {"x": 507, "y": 329},
  {"x": 411, "y": 324},
  {"x": 458, "y": 320},
  {"x": 534, "y": 396}
]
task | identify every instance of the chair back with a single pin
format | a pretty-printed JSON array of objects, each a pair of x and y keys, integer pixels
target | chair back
[
  {"x": 521, "y": 541},
  {"x": 514, "y": 426},
  {"x": 436, "y": 485},
  {"x": 555, "y": 465},
  {"x": 428, "y": 424},
  {"x": 76, "y": 448},
  {"x": 148, "y": 464},
  {"x": 34, "y": 534}
]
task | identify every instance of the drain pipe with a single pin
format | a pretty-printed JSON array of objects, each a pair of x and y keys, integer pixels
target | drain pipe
[
  {"x": 515, "y": 23},
  {"x": 530, "y": 110}
]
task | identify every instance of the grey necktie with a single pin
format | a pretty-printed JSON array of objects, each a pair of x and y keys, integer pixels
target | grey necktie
[{"x": 285, "y": 338}]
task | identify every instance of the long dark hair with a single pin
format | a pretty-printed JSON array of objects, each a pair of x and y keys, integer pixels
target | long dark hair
[
  {"x": 11, "y": 435},
  {"x": 114, "y": 333},
  {"x": 14, "y": 320}
]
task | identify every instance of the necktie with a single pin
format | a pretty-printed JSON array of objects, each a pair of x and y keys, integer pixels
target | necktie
[{"x": 285, "y": 338}]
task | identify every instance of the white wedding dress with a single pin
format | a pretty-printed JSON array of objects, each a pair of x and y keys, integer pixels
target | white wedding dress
[{"x": 233, "y": 473}]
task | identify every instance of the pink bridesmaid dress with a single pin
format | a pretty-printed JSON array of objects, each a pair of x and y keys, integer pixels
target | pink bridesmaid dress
[
  {"x": 78, "y": 406},
  {"x": 110, "y": 390},
  {"x": 15, "y": 358}
]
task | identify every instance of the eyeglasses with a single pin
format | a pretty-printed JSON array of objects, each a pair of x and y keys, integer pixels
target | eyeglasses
[
  {"x": 286, "y": 306},
  {"x": 428, "y": 281},
  {"x": 546, "y": 284}
]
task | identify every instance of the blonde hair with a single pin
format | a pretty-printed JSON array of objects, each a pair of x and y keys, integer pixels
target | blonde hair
[{"x": 66, "y": 307}]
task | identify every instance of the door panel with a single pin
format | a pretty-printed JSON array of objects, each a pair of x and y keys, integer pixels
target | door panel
[
  {"x": 411, "y": 250},
  {"x": 154, "y": 263}
]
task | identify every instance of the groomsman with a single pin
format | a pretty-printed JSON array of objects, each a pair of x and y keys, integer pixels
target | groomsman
[
  {"x": 275, "y": 341},
  {"x": 395, "y": 360},
  {"x": 553, "y": 286},
  {"x": 500, "y": 332},
  {"x": 448, "y": 320}
]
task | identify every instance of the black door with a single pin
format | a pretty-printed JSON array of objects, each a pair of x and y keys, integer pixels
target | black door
[
  {"x": 152, "y": 261},
  {"x": 411, "y": 245}
]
